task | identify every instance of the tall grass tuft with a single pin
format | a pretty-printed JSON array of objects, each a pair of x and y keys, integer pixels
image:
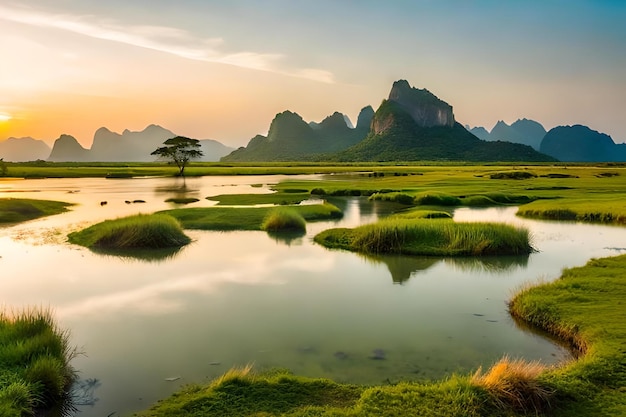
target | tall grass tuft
[
  {"x": 143, "y": 231},
  {"x": 35, "y": 356},
  {"x": 515, "y": 384},
  {"x": 284, "y": 219}
]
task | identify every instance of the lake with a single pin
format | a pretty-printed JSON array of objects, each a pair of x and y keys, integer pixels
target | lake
[{"x": 145, "y": 328}]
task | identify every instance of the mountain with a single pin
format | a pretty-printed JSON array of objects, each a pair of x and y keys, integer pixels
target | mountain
[
  {"x": 23, "y": 149},
  {"x": 524, "y": 131},
  {"x": 581, "y": 144},
  {"x": 413, "y": 124},
  {"x": 66, "y": 148},
  {"x": 480, "y": 132},
  {"x": 213, "y": 150},
  {"x": 290, "y": 138}
]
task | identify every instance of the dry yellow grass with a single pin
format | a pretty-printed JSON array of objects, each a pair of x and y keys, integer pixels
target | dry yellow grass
[{"x": 514, "y": 383}]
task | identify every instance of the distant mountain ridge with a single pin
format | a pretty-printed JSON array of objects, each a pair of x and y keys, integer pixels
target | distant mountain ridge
[
  {"x": 129, "y": 146},
  {"x": 411, "y": 124},
  {"x": 524, "y": 131}
]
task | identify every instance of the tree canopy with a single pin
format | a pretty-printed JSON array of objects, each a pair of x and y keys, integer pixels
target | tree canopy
[{"x": 179, "y": 150}]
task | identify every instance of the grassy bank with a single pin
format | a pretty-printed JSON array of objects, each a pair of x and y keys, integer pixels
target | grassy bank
[
  {"x": 35, "y": 372},
  {"x": 153, "y": 231},
  {"x": 14, "y": 210},
  {"x": 244, "y": 218},
  {"x": 594, "y": 209},
  {"x": 429, "y": 237},
  {"x": 585, "y": 307}
]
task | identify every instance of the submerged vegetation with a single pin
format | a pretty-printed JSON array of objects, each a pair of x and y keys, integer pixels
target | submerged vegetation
[
  {"x": 14, "y": 210},
  {"x": 429, "y": 237},
  {"x": 154, "y": 231},
  {"x": 35, "y": 355}
]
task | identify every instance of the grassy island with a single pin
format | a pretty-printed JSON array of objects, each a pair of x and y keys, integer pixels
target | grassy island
[
  {"x": 35, "y": 374},
  {"x": 437, "y": 237},
  {"x": 245, "y": 218},
  {"x": 14, "y": 210},
  {"x": 585, "y": 308},
  {"x": 143, "y": 231}
]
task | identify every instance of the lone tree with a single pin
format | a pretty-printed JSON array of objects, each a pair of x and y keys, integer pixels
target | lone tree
[
  {"x": 179, "y": 150},
  {"x": 3, "y": 168}
]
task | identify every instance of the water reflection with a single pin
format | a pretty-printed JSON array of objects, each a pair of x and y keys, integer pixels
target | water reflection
[
  {"x": 146, "y": 255},
  {"x": 403, "y": 267},
  {"x": 178, "y": 188},
  {"x": 288, "y": 237}
]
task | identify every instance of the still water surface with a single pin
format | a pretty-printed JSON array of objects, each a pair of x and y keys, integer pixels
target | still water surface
[{"x": 229, "y": 299}]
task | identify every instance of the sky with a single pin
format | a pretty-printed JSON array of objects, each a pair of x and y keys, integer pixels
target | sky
[{"x": 214, "y": 69}]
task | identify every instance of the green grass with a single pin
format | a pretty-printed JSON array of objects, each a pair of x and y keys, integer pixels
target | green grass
[
  {"x": 14, "y": 210},
  {"x": 244, "y": 218},
  {"x": 284, "y": 219},
  {"x": 429, "y": 237},
  {"x": 143, "y": 231},
  {"x": 34, "y": 354},
  {"x": 586, "y": 308},
  {"x": 282, "y": 198}
]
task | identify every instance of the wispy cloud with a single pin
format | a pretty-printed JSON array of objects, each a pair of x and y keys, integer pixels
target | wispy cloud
[{"x": 174, "y": 41}]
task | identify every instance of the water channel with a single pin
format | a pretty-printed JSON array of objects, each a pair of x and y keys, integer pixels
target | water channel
[{"x": 147, "y": 327}]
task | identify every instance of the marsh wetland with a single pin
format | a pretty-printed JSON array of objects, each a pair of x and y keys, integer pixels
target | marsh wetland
[{"x": 146, "y": 325}]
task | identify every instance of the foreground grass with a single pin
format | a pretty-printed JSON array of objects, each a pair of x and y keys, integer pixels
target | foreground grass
[
  {"x": 429, "y": 237},
  {"x": 143, "y": 231},
  {"x": 585, "y": 308},
  {"x": 35, "y": 373},
  {"x": 14, "y": 210},
  {"x": 244, "y": 218}
]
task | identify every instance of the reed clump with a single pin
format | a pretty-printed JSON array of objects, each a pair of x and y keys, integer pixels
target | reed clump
[
  {"x": 515, "y": 384},
  {"x": 284, "y": 219},
  {"x": 142, "y": 231}
]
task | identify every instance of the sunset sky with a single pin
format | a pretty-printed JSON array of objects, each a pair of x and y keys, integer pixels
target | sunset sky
[{"x": 222, "y": 69}]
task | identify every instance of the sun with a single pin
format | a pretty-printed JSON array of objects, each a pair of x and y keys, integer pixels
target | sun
[{"x": 4, "y": 117}]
